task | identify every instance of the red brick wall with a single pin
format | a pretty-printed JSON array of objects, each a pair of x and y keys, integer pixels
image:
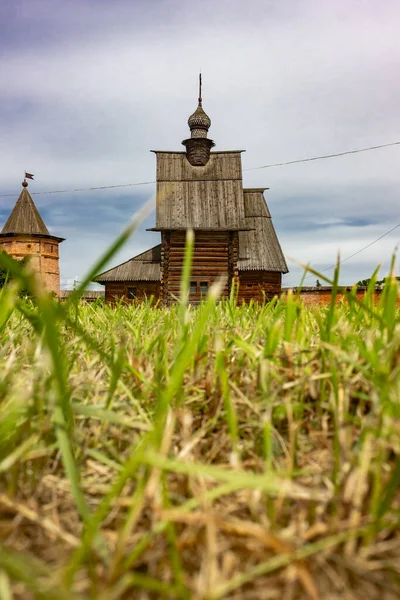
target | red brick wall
[
  {"x": 43, "y": 257},
  {"x": 322, "y": 295}
]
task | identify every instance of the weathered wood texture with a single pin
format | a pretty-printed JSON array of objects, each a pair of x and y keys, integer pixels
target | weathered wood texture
[
  {"x": 258, "y": 285},
  {"x": 198, "y": 150},
  {"x": 115, "y": 291},
  {"x": 214, "y": 256},
  {"x": 234, "y": 233},
  {"x": 165, "y": 252},
  {"x": 254, "y": 203},
  {"x": 199, "y": 197},
  {"x": 144, "y": 267},
  {"x": 259, "y": 246},
  {"x": 86, "y": 296},
  {"x": 233, "y": 259},
  {"x": 174, "y": 166}
]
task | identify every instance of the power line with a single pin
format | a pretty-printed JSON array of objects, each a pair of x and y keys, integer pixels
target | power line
[
  {"x": 301, "y": 160},
  {"x": 107, "y": 187},
  {"x": 102, "y": 187},
  {"x": 290, "y": 162},
  {"x": 355, "y": 253},
  {"x": 327, "y": 268}
]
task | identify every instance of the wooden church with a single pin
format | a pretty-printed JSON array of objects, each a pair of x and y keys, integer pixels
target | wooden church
[{"x": 202, "y": 190}]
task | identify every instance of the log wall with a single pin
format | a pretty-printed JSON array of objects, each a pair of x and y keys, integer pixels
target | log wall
[
  {"x": 215, "y": 255},
  {"x": 258, "y": 285},
  {"x": 120, "y": 291}
]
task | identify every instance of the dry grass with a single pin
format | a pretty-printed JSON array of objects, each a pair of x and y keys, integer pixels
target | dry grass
[{"x": 223, "y": 452}]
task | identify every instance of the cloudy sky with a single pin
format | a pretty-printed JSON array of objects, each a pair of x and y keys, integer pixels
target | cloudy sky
[{"x": 89, "y": 87}]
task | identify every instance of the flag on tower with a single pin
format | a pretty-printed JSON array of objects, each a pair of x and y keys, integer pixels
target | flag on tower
[{"x": 28, "y": 175}]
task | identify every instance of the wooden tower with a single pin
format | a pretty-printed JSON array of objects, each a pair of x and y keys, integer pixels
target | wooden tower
[
  {"x": 200, "y": 190},
  {"x": 26, "y": 235},
  {"x": 235, "y": 239}
]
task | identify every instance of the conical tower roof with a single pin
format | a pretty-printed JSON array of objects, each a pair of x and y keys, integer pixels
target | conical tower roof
[{"x": 25, "y": 217}]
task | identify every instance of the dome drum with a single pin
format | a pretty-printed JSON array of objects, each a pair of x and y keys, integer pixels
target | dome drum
[{"x": 198, "y": 150}]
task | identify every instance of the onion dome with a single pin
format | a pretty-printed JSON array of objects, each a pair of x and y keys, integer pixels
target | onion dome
[
  {"x": 199, "y": 122},
  {"x": 198, "y": 146}
]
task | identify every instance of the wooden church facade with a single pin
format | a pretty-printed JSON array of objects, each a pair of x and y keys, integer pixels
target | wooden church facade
[{"x": 234, "y": 236}]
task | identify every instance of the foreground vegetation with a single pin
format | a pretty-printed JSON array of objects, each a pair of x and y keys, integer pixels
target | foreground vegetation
[{"x": 219, "y": 452}]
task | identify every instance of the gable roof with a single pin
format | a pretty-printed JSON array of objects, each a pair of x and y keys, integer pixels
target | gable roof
[
  {"x": 25, "y": 217},
  {"x": 143, "y": 267},
  {"x": 259, "y": 247}
]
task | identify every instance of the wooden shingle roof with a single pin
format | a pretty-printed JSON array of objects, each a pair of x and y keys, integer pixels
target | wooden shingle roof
[
  {"x": 89, "y": 295},
  {"x": 25, "y": 217},
  {"x": 259, "y": 247},
  {"x": 143, "y": 267}
]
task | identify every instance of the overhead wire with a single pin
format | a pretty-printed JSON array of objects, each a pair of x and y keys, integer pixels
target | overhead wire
[
  {"x": 340, "y": 262},
  {"x": 90, "y": 189},
  {"x": 354, "y": 254},
  {"x": 302, "y": 160},
  {"x": 290, "y": 162}
]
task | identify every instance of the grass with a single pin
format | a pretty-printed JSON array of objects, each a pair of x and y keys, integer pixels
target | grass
[{"x": 225, "y": 451}]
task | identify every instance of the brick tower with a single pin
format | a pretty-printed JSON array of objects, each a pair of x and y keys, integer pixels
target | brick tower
[{"x": 26, "y": 235}]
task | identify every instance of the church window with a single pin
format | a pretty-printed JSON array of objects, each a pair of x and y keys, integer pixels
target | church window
[
  {"x": 132, "y": 292},
  {"x": 203, "y": 287},
  {"x": 193, "y": 287}
]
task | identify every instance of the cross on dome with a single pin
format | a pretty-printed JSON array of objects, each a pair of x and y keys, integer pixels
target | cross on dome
[{"x": 199, "y": 122}]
